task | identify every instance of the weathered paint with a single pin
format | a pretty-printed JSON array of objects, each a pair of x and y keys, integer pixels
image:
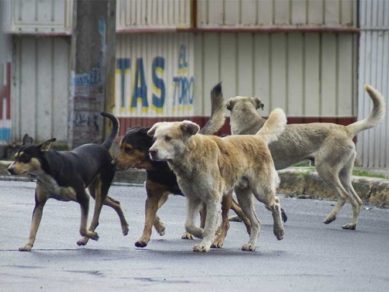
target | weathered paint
[{"x": 373, "y": 144}]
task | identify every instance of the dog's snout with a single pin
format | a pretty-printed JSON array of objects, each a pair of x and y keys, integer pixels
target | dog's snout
[
  {"x": 11, "y": 170},
  {"x": 153, "y": 154}
]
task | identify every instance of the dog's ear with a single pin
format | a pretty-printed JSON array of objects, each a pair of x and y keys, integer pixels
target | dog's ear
[
  {"x": 45, "y": 146},
  {"x": 230, "y": 104},
  {"x": 151, "y": 131},
  {"x": 258, "y": 103},
  {"x": 189, "y": 128},
  {"x": 27, "y": 140}
]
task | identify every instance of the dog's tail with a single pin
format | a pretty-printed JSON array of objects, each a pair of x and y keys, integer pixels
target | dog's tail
[
  {"x": 115, "y": 130},
  {"x": 216, "y": 121},
  {"x": 376, "y": 114},
  {"x": 274, "y": 126}
]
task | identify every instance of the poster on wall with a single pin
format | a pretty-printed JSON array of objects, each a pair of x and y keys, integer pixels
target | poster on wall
[{"x": 155, "y": 81}]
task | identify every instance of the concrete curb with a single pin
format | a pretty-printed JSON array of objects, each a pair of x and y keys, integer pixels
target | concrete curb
[
  {"x": 297, "y": 182},
  {"x": 300, "y": 183}
]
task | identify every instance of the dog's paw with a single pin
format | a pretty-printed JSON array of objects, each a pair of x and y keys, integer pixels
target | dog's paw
[
  {"x": 349, "y": 226},
  {"x": 218, "y": 243},
  {"x": 329, "y": 219},
  {"x": 201, "y": 248},
  {"x": 160, "y": 229},
  {"x": 125, "y": 229},
  {"x": 279, "y": 233},
  {"x": 248, "y": 247},
  {"x": 27, "y": 247},
  {"x": 83, "y": 241},
  {"x": 187, "y": 235},
  {"x": 141, "y": 243},
  {"x": 93, "y": 235},
  {"x": 235, "y": 219}
]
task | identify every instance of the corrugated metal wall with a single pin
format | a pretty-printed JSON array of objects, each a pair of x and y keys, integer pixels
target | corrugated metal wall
[
  {"x": 307, "y": 74},
  {"x": 138, "y": 14},
  {"x": 241, "y": 13},
  {"x": 373, "y": 144},
  {"x": 40, "y": 89}
]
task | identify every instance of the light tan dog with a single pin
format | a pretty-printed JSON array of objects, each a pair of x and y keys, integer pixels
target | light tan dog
[
  {"x": 330, "y": 145},
  {"x": 208, "y": 167}
]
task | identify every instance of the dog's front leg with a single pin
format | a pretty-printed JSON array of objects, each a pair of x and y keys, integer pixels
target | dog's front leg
[
  {"x": 211, "y": 224},
  {"x": 225, "y": 225},
  {"x": 36, "y": 219},
  {"x": 192, "y": 209},
  {"x": 151, "y": 208}
]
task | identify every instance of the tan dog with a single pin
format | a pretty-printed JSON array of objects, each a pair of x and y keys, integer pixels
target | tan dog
[
  {"x": 209, "y": 167},
  {"x": 329, "y": 144}
]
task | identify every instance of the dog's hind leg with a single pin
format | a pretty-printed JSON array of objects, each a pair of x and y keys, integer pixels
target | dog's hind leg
[
  {"x": 244, "y": 196},
  {"x": 118, "y": 209},
  {"x": 345, "y": 178},
  {"x": 332, "y": 177},
  {"x": 83, "y": 200}
]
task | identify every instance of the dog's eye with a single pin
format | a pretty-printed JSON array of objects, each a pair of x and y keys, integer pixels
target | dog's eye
[
  {"x": 168, "y": 138},
  {"x": 24, "y": 158},
  {"x": 129, "y": 150}
]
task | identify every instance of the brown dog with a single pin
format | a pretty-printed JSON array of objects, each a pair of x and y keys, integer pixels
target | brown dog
[
  {"x": 330, "y": 145},
  {"x": 209, "y": 167},
  {"x": 161, "y": 181}
]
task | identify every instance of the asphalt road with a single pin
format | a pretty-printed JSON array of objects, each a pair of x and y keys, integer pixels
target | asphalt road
[{"x": 312, "y": 256}]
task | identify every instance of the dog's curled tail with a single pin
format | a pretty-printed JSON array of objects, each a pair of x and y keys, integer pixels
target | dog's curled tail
[
  {"x": 217, "y": 119},
  {"x": 274, "y": 126},
  {"x": 115, "y": 130},
  {"x": 376, "y": 114}
]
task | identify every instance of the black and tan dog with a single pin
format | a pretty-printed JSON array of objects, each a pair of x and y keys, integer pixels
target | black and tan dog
[
  {"x": 161, "y": 181},
  {"x": 65, "y": 175}
]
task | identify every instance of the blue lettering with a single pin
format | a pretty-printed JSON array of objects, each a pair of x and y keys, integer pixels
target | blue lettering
[
  {"x": 140, "y": 91},
  {"x": 158, "y": 83}
]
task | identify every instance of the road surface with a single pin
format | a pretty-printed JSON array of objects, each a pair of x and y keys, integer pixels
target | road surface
[{"x": 312, "y": 256}]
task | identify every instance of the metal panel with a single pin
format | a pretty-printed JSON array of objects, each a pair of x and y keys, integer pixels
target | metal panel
[
  {"x": 300, "y": 72},
  {"x": 155, "y": 75},
  {"x": 141, "y": 14},
  {"x": 41, "y": 16},
  {"x": 373, "y": 144},
  {"x": 41, "y": 88},
  {"x": 277, "y": 13}
]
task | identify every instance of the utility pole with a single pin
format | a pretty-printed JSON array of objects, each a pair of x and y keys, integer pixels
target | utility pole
[{"x": 92, "y": 69}]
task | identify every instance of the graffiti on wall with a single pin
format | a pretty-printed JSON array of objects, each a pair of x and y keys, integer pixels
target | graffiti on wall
[{"x": 158, "y": 93}]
